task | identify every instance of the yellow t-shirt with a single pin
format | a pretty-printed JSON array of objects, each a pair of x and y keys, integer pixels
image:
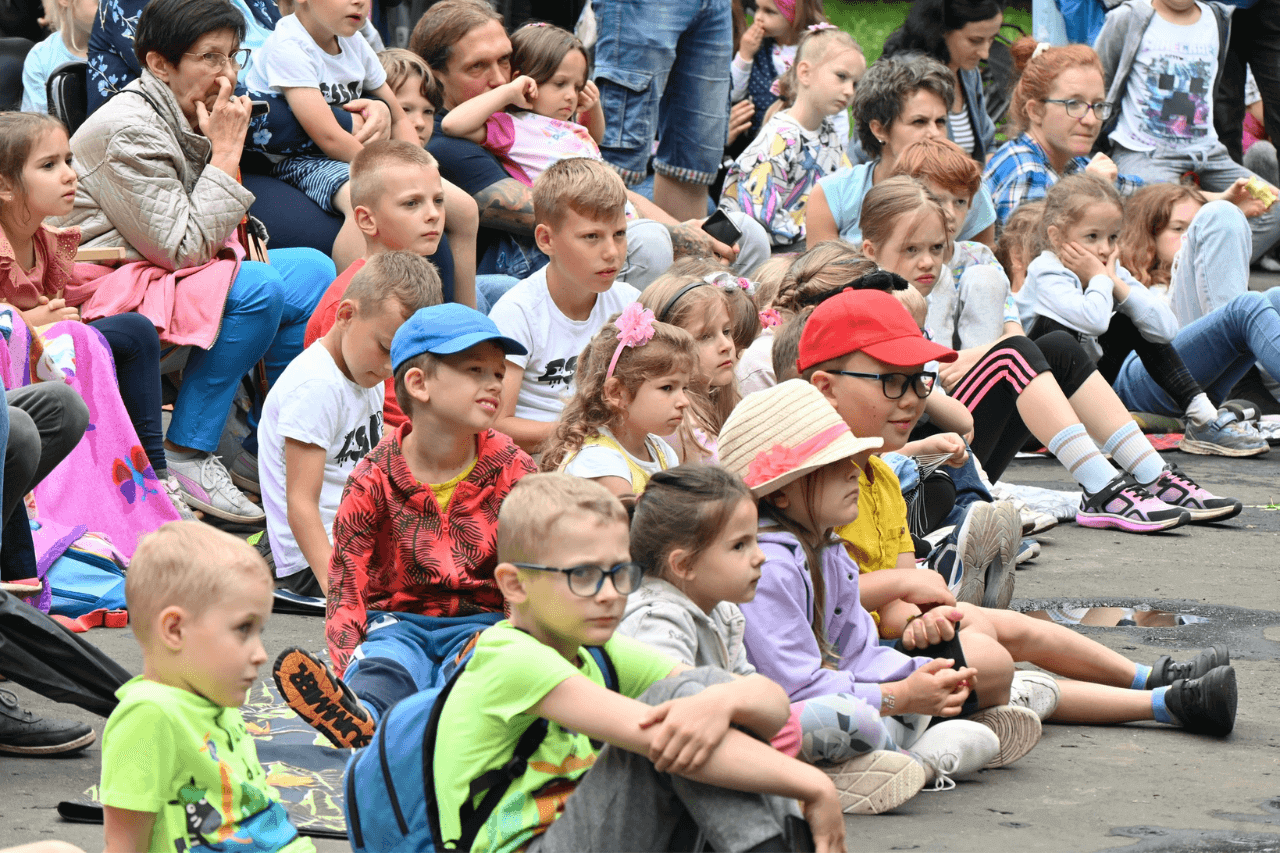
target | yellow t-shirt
[
  {"x": 879, "y": 534},
  {"x": 444, "y": 491}
]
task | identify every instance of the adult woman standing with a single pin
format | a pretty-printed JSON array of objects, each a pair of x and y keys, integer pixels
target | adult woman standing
[
  {"x": 158, "y": 174},
  {"x": 900, "y": 100},
  {"x": 957, "y": 33}
]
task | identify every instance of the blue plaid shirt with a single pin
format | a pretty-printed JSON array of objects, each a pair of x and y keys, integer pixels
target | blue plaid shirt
[{"x": 1020, "y": 171}]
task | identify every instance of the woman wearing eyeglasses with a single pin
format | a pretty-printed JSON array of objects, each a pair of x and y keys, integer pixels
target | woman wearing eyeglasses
[{"x": 159, "y": 174}]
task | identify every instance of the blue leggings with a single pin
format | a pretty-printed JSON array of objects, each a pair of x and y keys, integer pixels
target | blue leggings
[
  {"x": 265, "y": 317},
  {"x": 135, "y": 347}
]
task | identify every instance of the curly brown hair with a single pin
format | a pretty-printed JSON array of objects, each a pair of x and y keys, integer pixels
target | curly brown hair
[
  {"x": 670, "y": 350},
  {"x": 1146, "y": 213}
]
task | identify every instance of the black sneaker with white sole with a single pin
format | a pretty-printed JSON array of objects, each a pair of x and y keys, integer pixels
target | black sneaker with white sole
[
  {"x": 23, "y": 733},
  {"x": 1167, "y": 670}
]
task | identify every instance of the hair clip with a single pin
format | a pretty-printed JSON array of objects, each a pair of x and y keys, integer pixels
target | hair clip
[
  {"x": 1040, "y": 48},
  {"x": 820, "y": 26},
  {"x": 635, "y": 329},
  {"x": 727, "y": 281},
  {"x": 770, "y": 317},
  {"x": 537, "y": 24}
]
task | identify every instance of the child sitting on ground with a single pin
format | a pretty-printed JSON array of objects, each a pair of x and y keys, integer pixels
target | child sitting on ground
[
  {"x": 396, "y": 190},
  {"x": 689, "y": 724},
  {"x": 771, "y": 180},
  {"x": 317, "y": 59},
  {"x": 694, "y": 532},
  {"x": 324, "y": 414},
  {"x": 411, "y": 576},
  {"x": 578, "y": 207},
  {"x": 179, "y": 769},
  {"x": 867, "y": 358},
  {"x": 631, "y": 382},
  {"x": 551, "y": 88}
]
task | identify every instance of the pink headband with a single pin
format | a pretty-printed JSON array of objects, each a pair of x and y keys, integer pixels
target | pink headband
[
  {"x": 781, "y": 460},
  {"x": 635, "y": 329},
  {"x": 787, "y": 8}
]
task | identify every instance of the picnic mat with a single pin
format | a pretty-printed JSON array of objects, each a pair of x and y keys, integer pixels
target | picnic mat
[{"x": 300, "y": 763}]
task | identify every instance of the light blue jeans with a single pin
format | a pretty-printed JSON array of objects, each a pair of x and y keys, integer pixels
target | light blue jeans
[
  {"x": 1217, "y": 171},
  {"x": 1213, "y": 266},
  {"x": 265, "y": 317},
  {"x": 1218, "y": 349}
]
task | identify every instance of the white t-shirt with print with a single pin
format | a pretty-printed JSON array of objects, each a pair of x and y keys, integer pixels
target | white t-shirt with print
[
  {"x": 314, "y": 403},
  {"x": 527, "y": 313},
  {"x": 1168, "y": 100},
  {"x": 290, "y": 58}
]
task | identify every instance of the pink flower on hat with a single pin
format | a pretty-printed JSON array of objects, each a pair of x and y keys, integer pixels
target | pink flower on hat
[{"x": 781, "y": 460}]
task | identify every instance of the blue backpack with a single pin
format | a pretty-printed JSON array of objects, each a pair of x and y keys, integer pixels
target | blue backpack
[{"x": 391, "y": 803}]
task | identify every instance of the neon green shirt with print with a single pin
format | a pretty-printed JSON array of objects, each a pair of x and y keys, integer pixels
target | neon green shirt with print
[
  {"x": 487, "y": 712},
  {"x": 192, "y": 763}
]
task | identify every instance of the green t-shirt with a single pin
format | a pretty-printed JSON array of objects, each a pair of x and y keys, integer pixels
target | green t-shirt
[
  {"x": 193, "y": 763},
  {"x": 487, "y": 712}
]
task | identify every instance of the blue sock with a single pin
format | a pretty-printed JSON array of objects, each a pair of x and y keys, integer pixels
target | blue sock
[
  {"x": 1132, "y": 451},
  {"x": 1140, "y": 677},
  {"x": 1161, "y": 711}
]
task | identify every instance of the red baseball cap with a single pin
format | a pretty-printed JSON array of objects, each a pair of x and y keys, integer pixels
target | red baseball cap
[{"x": 869, "y": 321}]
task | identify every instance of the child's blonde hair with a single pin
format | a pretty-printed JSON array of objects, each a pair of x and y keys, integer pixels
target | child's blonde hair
[
  {"x": 368, "y": 166},
  {"x": 786, "y": 345},
  {"x": 693, "y": 310},
  {"x": 584, "y": 185},
  {"x": 915, "y": 303},
  {"x": 1146, "y": 213},
  {"x": 186, "y": 564},
  {"x": 768, "y": 278},
  {"x": 401, "y": 65},
  {"x": 538, "y": 48},
  {"x": 1016, "y": 246},
  {"x": 19, "y": 133},
  {"x": 406, "y": 278},
  {"x": 1067, "y": 201},
  {"x": 671, "y": 349},
  {"x": 889, "y": 201},
  {"x": 684, "y": 508},
  {"x": 537, "y": 503},
  {"x": 825, "y": 269},
  {"x": 744, "y": 316},
  {"x": 814, "y": 47}
]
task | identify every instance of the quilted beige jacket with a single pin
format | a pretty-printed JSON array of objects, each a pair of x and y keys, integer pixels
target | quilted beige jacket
[{"x": 145, "y": 182}]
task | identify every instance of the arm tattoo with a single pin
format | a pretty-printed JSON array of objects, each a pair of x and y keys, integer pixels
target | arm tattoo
[
  {"x": 688, "y": 241},
  {"x": 506, "y": 205}
]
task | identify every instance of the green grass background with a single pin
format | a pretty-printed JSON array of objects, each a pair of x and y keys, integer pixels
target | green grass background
[{"x": 871, "y": 22}]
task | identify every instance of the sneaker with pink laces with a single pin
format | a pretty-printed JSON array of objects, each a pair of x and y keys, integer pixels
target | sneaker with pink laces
[
  {"x": 1124, "y": 505},
  {"x": 1177, "y": 489}
]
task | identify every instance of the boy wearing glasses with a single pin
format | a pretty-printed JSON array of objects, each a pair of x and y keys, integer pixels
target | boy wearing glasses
[
  {"x": 415, "y": 537},
  {"x": 565, "y": 573}
]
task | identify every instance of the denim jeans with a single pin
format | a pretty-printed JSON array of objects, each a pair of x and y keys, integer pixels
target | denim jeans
[
  {"x": 265, "y": 317},
  {"x": 1212, "y": 267},
  {"x": 1218, "y": 349},
  {"x": 1217, "y": 171},
  {"x": 650, "y": 91}
]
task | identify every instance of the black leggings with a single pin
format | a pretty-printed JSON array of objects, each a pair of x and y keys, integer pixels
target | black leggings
[
  {"x": 1123, "y": 337},
  {"x": 991, "y": 389}
]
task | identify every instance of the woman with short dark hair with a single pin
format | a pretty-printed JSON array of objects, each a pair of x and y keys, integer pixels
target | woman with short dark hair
[{"x": 158, "y": 174}]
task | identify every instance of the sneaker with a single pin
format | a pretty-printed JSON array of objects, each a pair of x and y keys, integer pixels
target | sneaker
[
  {"x": 207, "y": 486},
  {"x": 1028, "y": 551},
  {"x": 1266, "y": 263},
  {"x": 1034, "y": 522},
  {"x": 954, "y": 749},
  {"x": 1177, "y": 489},
  {"x": 1124, "y": 505},
  {"x": 1000, "y": 578},
  {"x": 1225, "y": 435},
  {"x": 1206, "y": 704},
  {"x": 1017, "y": 728},
  {"x": 876, "y": 782},
  {"x": 977, "y": 544},
  {"x": 244, "y": 472},
  {"x": 1036, "y": 690},
  {"x": 1167, "y": 670},
  {"x": 262, "y": 544},
  {"x": 173, "y": 491},
  {"x": 311, "y": 689},
  {"x": 23, "y": 733}
]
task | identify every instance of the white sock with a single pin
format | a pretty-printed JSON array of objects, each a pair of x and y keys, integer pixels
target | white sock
[{"x": 1201, "y": 411}]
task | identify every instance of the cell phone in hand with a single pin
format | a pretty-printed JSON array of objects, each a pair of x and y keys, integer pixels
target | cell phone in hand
[
  {"x": 259, "y": 108},
  {"x": 721, "y": 227},
  {"x": 797, "y": 836}
]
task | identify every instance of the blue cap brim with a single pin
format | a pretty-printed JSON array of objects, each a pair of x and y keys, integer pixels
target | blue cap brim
[{"x": 510, "y": 346}]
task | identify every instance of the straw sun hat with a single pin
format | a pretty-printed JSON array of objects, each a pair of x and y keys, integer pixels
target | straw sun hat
[{"x": 776, "y": 436}]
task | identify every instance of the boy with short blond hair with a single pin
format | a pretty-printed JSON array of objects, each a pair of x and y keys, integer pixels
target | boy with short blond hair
[
  {"x": 325, "y": 412},
  {"x": 179, "y": 769},
  {"x": 415, "y": 538},
  {"x": 579, "y": 211},
  {"x": 535, "y": 665}
]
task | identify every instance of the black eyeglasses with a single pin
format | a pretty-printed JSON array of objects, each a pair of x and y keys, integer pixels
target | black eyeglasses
[
  {"x": 586, "y": 581},
  {"x": 896, "y": 384},
  {"x": 1076, "y": 108}
]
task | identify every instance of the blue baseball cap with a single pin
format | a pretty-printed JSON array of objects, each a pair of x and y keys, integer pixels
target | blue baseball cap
[{"x": 444, "y": 330}]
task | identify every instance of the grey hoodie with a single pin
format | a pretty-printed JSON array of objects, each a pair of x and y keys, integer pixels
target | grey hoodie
[{"x": 664, "y": 617}]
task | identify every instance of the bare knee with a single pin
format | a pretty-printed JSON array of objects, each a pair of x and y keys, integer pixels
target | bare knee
[{"x": 994, "y": 666}]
